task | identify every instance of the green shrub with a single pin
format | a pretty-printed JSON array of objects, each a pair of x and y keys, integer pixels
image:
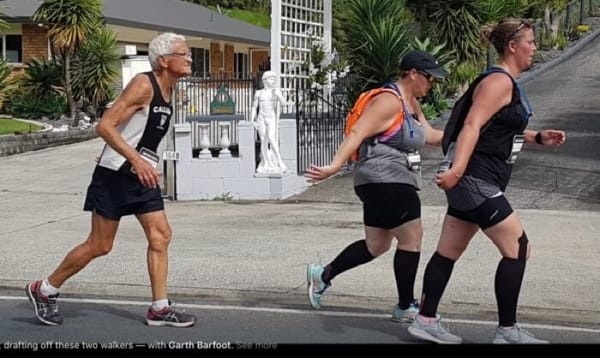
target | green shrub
[
  {"x": 561, "y": 41},
  {"x": 29, "y": 105}
]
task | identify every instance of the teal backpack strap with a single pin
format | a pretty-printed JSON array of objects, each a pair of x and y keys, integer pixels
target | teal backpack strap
[{"x": 524, "y": 100}]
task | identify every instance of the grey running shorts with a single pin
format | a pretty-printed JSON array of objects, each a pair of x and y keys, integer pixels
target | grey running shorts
[{"x": 477, "y": 201}]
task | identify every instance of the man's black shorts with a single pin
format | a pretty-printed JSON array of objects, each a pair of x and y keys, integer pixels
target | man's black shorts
[{"x": 113, "y": 195}]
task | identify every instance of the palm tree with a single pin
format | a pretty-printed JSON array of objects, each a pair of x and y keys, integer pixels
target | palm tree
[
  {"x": 5, "y": 81},
  {"x": 457, "y": 23},
  {"x": 376, "y": 36},
  {"x": 69, "y": 23},
  {"x": 5, "y": 69},
  {"x": 3, "y": 24},
  {"x": 96, "y": 69}
]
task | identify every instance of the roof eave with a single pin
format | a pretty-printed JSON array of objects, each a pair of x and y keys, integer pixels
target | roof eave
[{"x": 159, "y": 28}]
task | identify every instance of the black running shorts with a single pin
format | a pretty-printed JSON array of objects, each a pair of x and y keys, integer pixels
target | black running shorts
[
  {"x": 478, "y": 202},
  {"x": 388, "y": 205},
  {"x": 113, "y": 195}
]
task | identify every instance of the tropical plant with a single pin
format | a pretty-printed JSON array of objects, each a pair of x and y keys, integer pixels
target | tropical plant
[
  {"x": 444, "y": 56},
  {"x": 5, "y": 81},
  {"x": 341, "y": 12},
  {"x": 494, "y": 10},
  {"x": 436, "y": 98},
  {"x": 96, "y": 69},
  {"x": 457, "y": 23},
  {"x": 43, "y": 76},
  {"x": 30, "y": 105},
  {"x": 3, "y": 23},
  {"x": 538, "y": 8},
  {"x": 463, "y": 74},
  {"x": 69, "y": 24},
  {"x": 376, "y": 36}
]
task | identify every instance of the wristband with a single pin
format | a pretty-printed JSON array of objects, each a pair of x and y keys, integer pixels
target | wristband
[{"x": 538, "y": 138}]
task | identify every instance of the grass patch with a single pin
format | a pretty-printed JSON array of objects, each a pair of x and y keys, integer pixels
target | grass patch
[
  {"x": 10, "y": 126},
  {"x": 253, "y": 17}
]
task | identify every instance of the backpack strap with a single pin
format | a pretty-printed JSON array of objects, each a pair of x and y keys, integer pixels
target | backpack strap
[
  {"x": 519, "y": 90},
  {"x": 489, "y": 71},
  {"x": 398, "y": 119},
  {"x": 396, "y": 125}
]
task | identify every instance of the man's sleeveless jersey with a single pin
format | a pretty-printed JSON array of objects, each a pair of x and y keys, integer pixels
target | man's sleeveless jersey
[{"x": 145, "y": 129}]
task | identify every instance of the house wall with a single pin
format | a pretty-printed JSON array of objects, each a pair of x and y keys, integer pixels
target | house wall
[
  {"x": 216, "y": 57},
  {"x": 229, "y": 59},
  {"x": 35, "y": 42},
  {"x": 222, "y": 54},
  {"x": 258, "y": 57}
]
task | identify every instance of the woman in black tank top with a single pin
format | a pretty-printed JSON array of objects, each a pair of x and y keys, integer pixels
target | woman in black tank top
[{"x": 474, "y": 185}]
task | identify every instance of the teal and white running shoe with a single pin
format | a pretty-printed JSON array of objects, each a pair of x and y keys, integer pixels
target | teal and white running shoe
[
  {"x": 407, "y": 315},
  {"x": 315, "y": 285}
]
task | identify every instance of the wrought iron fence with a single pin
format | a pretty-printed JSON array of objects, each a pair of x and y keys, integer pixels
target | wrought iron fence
[
  {"x": 320, "y": 118},
  {"x": 193, "y": 99}
]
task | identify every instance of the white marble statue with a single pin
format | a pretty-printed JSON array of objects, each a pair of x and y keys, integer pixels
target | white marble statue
[{"x": 265, "y": 117}]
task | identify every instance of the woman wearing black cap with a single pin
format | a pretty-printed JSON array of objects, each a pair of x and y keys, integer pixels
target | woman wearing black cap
[
  {"x": 488, "y": 144},
  {"x": 386, "y": 179}
]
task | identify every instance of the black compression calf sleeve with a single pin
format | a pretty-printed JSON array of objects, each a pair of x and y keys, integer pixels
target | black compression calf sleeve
[
  {"x": 437, "y": 275},
  {"x": 354, "y": 255},
  {"x": 507, "y": 284},
  {"x": 405, "y": 271}
]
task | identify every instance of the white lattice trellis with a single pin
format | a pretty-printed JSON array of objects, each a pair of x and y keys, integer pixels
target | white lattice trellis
[{"x": 294, "y": 25}]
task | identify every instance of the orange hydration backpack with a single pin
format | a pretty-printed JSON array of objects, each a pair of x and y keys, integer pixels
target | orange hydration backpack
[{"x": 357, "y": 111}]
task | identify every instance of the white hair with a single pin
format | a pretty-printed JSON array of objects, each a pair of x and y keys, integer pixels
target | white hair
[{"x": 162, "y": 45}]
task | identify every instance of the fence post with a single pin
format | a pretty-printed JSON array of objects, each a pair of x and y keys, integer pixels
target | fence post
[
  {"x": 298, "y": 141},
  {"x": 581, "y": 6}
]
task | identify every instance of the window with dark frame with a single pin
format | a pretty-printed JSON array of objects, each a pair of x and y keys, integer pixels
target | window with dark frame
[
  {"x": 12, "y": 46},
  {"x": 241, "y": 65},
  {"x": 200, "y": 62}
]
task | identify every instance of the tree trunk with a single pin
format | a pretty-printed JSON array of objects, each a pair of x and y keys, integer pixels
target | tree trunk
[{"x": 69, "y": 91}]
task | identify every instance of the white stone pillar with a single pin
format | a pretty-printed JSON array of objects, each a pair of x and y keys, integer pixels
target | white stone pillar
[
  {"x": 247, "y": 148},
  {"x": 204, "y": 141},
  {"x": 224, "y": 128},
  {"x": 183, "y": 141},
  {"x": 288, "y": 144}
]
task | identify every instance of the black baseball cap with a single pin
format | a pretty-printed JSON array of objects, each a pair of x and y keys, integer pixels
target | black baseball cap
[{"x": 422, "y": 61}]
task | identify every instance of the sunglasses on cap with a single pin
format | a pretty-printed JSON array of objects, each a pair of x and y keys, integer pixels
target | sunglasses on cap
[
  {"x": 522, "y": 24},
  {"x": 428, "y": 77}
]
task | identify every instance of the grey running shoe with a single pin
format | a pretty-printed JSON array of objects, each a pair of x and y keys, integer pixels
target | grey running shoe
[
  {"x": 407, "y": 315},
  {"x": 515, "y": 335},
  {"x": 169, "y": 316},
  {"x": 45, "y": 307},
  {"x": 433, "y": 332}
]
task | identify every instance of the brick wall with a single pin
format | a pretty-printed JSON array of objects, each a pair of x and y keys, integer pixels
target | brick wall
[
  {"x": 216, "y": 57},
  {"x": 35, "y": 42},
  {"x": 229, "y": 59},
  {"x": 258, "y": 57}
]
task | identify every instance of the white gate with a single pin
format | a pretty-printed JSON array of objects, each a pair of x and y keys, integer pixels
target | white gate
[{"x": 295, "y": 24}]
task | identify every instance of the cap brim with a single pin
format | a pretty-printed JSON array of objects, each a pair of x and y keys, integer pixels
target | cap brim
[{"x": 438, "y": 73}]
